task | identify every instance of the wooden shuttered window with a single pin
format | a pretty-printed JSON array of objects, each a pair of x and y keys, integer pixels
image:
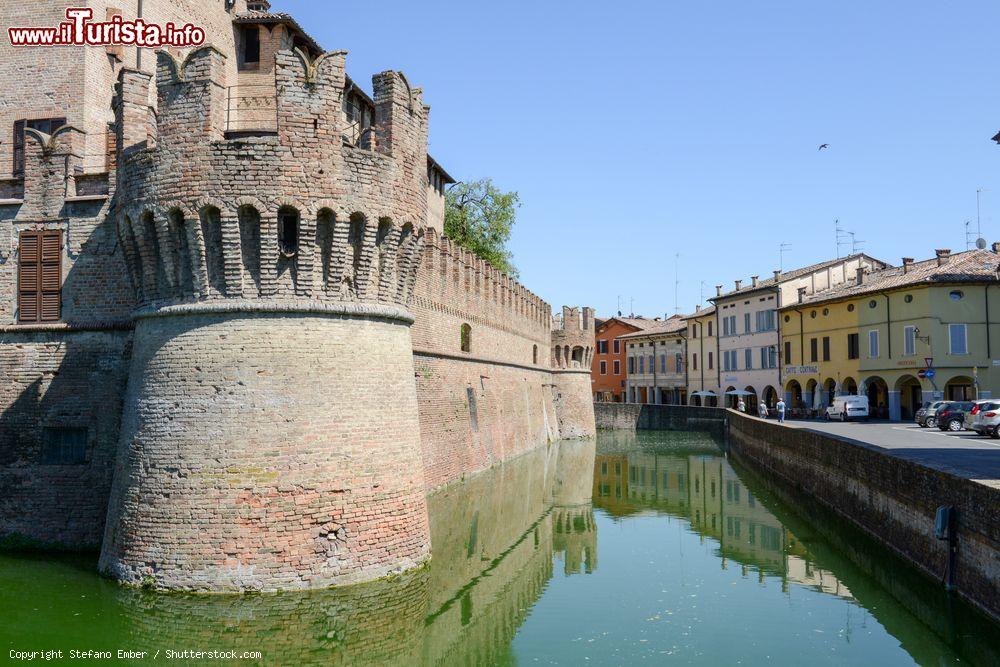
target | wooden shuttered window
[{"x": 39, "y": 276}]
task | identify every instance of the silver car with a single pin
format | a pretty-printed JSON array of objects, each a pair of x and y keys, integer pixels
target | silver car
[
  {"x": 986, "y": 418},
  {"x": 928, "y": 418}
]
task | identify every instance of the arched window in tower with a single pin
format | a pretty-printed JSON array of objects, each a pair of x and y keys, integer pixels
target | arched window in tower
[
  {"x": 466, "y": 338},
  {"x": 288, "y": 231}
]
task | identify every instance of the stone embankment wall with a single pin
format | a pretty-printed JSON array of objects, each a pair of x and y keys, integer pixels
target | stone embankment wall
[
  {"x": 893, "y": 499},
  {"x": 636, "y": 416},
  {"x": 890, "y": 498}
]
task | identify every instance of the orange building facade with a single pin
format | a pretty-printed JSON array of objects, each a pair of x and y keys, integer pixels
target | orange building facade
[{"x": 608, "y": 371}]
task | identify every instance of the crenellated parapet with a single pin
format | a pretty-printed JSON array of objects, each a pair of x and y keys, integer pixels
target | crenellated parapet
[
  {"x": 573, "y": 338},
  {"x": 454, "y": 277},
  {"x": 295, "y": 215}
]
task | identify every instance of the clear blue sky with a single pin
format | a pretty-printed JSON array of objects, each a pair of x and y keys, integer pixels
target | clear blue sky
[{"x": 637, "y": 130}]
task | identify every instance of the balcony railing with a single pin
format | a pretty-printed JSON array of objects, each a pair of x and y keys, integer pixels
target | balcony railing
[{"x": 251, "y": 108}]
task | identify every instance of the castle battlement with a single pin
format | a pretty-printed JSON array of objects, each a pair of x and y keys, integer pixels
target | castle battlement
[
  {"x": 294, "y": 214},
  {"x": 573, "y": 338},
  {"x": 455, "y": 275}
]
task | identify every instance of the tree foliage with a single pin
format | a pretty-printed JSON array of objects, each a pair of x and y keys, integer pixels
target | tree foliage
[{"x": 478, "y": 216}]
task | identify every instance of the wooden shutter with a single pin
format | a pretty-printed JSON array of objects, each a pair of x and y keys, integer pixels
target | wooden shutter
[
  {"x": 18, "y": 148},
  {"x": 40, "y": 276}
]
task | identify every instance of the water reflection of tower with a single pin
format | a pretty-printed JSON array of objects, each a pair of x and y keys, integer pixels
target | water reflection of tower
[{"x": 574, "y": 533}]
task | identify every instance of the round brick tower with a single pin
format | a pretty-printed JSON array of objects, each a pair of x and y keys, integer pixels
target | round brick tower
[
  {"x": 270, "y": 437},
  {"x": 572, "y": 353}
]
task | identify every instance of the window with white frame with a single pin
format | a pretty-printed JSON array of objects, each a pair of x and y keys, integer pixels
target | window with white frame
[
  {"x": 642, "y": 364},
  {"x": 909, "y": 341},
  {"x": 957, "y": 341},
  {"x": 746, "y": 322},
  {"x": 617, "y": 367},
  {"x": 617, "y": 346},
  {"x": 748, "y": 358},
  {"x": 725, "y": 326},
  {"x": 873, "y": 344},
  {"x": 604, "y": 368}
]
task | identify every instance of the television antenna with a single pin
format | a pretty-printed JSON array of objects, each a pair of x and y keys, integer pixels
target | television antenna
[
  {"x": 855, "y": 244},
  {"x": 677, "y": 280},
  {"x": 841, "y": 236},
  {"x": 782, "y": 249}
]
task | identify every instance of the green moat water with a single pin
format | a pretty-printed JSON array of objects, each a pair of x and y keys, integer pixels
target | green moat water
[{"x": 640, "y": 548}]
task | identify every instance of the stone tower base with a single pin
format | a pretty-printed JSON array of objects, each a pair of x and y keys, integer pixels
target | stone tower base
[
  {"x": 268, "y": 450},
  {"x": 574, "y": 404}
]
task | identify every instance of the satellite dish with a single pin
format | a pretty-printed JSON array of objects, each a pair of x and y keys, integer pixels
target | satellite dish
[{"x": 981, "y": 243}]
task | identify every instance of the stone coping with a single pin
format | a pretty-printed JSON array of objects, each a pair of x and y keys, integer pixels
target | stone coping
[{"x": 260, "y": 307}]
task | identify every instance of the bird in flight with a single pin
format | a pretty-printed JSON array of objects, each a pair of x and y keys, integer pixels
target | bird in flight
[{"x": 822, "y": 146}]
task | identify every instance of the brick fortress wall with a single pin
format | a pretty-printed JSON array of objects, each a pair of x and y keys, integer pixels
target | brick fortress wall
[
  {"x": 572, "y": 356},
  {"x": 269, "y": 435},
  {"x": 492, "y": 400},
  {"x": 67, "y": 375}
]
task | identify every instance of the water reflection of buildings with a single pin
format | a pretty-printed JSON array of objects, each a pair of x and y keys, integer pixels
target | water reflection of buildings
[
  {"x": 494, "y": 539},
  {"x": 705, "y": 491}
]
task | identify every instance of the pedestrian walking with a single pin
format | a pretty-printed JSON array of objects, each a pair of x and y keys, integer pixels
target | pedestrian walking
[
  {"x": 781, "y": 411},
  {"x": 762, "y": 410}
]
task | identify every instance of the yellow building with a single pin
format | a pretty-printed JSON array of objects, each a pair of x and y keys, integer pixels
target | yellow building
[
  {"x": 939, "y": 318},
  {"x": 819, "y": 344}
]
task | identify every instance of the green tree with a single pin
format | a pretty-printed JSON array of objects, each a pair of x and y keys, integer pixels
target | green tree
[{"x": 478, "y": 216}]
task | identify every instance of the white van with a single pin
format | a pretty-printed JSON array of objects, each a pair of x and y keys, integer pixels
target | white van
[{"x": 848, "y": 407}]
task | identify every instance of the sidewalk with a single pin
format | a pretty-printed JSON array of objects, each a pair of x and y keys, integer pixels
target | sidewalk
[{"x": 963, "y": 454}]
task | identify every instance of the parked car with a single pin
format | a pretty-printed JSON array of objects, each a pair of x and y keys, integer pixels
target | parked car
[
  {"x": 970, "y": 416},
  {"x": 927, "y": 415},
  {"x": 951, "y": 417},
  {"x": 985, "y": 418},
  {"x": 848, "y": 407}
]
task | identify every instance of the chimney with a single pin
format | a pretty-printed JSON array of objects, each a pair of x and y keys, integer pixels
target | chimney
[
  {"x": 738, "y": 283},
  {"x": 777, "y": 275},
  {"x": 943, "y": 256},
  {"x": 907, "y": 264},
  {"x": 718, "y": 290},
  {"x": 697, "y": 308},
  {"x": 753, "y": 280},
  {"x": 861, "y": 275},
  {"x": 996, "y": 247},
  {"x": 802, "y": 294}
]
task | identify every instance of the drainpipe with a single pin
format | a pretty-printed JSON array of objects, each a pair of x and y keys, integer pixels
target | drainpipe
[
  {"x": 138, "y": 49},
  {"x": 684, "y": 344},
  {"x": 888, "y": 326},
  {"x": 986, "y": 297}
]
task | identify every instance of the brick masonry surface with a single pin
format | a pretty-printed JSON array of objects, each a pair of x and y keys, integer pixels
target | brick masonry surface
[{"x": 279, "y": 411}]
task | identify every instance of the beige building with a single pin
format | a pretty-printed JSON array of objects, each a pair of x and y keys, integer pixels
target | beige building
[
  {"x": 655, "y": 360},
  {"x": 702, "y": 352},
  {"x": 749, "y": 329}
]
